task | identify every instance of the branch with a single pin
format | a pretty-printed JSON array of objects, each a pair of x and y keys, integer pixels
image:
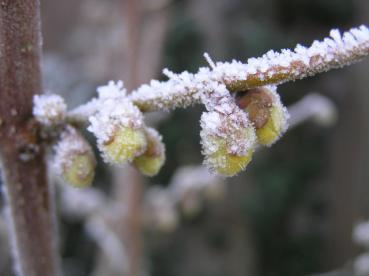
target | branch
[
  {"x": 272, "y": 68},
  {"x": 22, "y": 155}
]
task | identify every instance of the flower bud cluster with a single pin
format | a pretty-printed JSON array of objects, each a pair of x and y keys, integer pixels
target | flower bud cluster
[
  {"x": 243, "y": 108},
  {"x": 234, "y": 126},
  {"x": 121, "y": 133}
]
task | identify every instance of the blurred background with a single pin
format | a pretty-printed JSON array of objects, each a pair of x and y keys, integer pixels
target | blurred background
[{"x": 294, "y": 209}]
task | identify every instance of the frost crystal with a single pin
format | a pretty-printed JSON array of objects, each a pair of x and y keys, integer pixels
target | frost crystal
[
  {"x": 49, "y": 110},
  {"x": 113, "y": 110},
  {"x": 117, "y": 124},
  {"x": 227, "y": 135},
  {"x": 179, "y": 91},
  {"x": 274, "y": 67},
  {"x": 111, "y": 91}
]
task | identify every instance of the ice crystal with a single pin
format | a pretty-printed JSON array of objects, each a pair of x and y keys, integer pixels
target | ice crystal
[
  {"x": 227, "y": 136},
  {"x": 112, "y": 110},
  {"x": 106, "y": 93},
  {"x": 49, "y": 109}
]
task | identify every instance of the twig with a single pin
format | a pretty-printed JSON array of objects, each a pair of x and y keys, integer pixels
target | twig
[{"x": 272, "y": 68}]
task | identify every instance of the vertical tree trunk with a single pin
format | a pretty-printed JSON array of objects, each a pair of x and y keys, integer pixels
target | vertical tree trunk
[{"x": 22, "y": 155}]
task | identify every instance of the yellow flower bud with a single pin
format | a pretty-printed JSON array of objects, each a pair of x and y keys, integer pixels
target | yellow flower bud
[
  {"x": 266, "y": 112},
  {"x": 225, "y": 163},
  {"x": 151, "y": 161},
  {"x": 74, "y": 159},
  {"x": 273, "y": 129},
  {"x": 124, "y": 145},
  {"x": 228, "y": 141},
  {"x": 81, "y": 170}
]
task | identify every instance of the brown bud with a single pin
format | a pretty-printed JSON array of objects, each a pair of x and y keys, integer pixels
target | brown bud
[{"x": 257, "y": 102}]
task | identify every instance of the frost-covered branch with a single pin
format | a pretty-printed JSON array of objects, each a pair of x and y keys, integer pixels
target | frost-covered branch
[{"x": 272, "y": 68}]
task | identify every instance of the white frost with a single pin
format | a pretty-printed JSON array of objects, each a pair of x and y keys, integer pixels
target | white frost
[{"x": 49, "y": 109}]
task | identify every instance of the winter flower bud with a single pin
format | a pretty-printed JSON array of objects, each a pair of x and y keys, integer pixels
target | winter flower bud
[
  {"x": 228, "y": 141},
  {"x": 49, "y": 110},
  {"x": 124, "y": 145},
  {"x": 151, "y": 161},
  {"x": 266, "y": 112},
  {"x": 74, "y": 159},
  {"x": 118, "y": 126}
]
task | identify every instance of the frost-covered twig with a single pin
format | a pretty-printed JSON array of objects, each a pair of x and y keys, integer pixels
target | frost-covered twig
[{"x": 272, "y": 68}]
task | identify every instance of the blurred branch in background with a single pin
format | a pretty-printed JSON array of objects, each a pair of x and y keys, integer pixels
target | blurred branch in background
[{"x": 313, "y": 106}]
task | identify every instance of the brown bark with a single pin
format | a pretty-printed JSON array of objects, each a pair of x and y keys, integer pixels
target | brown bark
[{"x": 22, "y": 155}]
